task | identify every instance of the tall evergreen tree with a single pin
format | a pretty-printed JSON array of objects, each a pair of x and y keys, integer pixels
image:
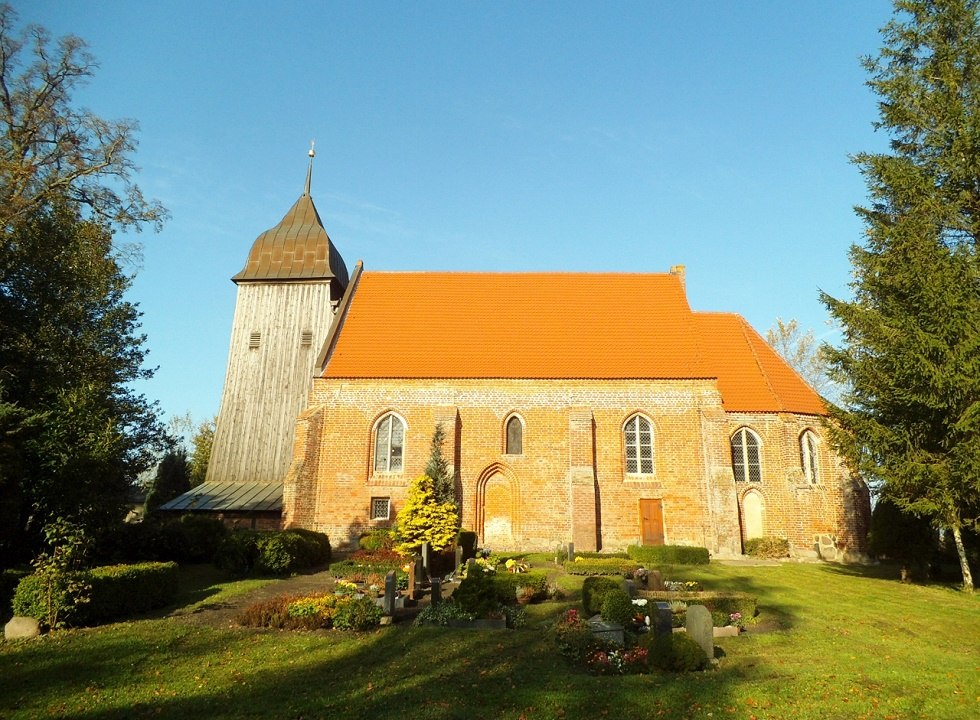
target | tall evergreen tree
[
  {"x": 910, "y": 359},
  {"x": 171, "y": 480},
  {"x": 438, "y": 469}
]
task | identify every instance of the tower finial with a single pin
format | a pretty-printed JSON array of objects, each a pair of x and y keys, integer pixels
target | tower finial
[{"x": 309, "y": 170}]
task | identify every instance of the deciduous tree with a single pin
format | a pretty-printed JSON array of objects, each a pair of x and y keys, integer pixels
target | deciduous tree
[
  {"x": 801, "y": 351},
  {"x": 911, "y": 352}
]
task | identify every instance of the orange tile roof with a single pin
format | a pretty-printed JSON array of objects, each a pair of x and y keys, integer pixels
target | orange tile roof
[
  {"x": 752, "y": 377},
  {"x": 555, "y": 325},
  {"x": 298, "y": 248}
]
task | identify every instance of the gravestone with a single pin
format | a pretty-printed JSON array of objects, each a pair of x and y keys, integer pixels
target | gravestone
[
  {"x": 606, "y": 631},
  {"x": 655, "y": 580},
  {"x": 21, "y": 627},
  {"x": 470, "y": 567},
  {"x": 427, "y": 559},
  {"x": 410, "y": 591},
  {"x": 571, "y": 552},
  {"x": 418, "y": 570},
  {"x": 391, "y": 592},
  {"x": 662, "y": 618},
  {"x": 436, "y": 591},
  {"x": 699, "y": 627},
  {"x": 459, "y": 560}
]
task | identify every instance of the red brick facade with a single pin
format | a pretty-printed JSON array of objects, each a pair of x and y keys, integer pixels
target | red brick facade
[{"x": 570, "y": 482}]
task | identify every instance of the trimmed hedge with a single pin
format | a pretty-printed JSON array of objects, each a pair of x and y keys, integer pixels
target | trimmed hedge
[
  {"x": 113, "y": 592},
  {"x": 188, "y": 539},
  {"x": 8, "y": 584},
  {"x": 601, "y": 566},
  {"x": 594, "y": 591},
  {"x": 590, "y": 554},
  {"x": 721, "y": 602},
  {"x": 654, "y": 555},
  {"x": 507, "y": 584},
  {"x": 767, "y": 547},
  {"x": 280, "y": 552}
]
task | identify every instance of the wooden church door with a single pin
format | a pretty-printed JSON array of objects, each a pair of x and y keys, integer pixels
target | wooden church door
[{"x": 652, "y": 522}]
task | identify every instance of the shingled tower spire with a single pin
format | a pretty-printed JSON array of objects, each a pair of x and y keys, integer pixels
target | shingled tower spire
[{"x": 287, "y": 291}]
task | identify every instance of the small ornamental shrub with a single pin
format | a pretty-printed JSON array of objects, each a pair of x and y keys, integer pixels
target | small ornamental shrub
[
  {"x": 594, "y": 590},
  {"x": 481, "y": 595},
  {"x": 9, "y": 580},
  {"x": 533, "y": 585},
  {"x": 617, "y": 661},
  {"x": 442, "y": 614},
  {"x": 617, "y": 608},
  {"x": 423, "y": 518},
  {"x": 682, "y": 586},
  {"x": 675, "y": 652},
  {"x": 601, "y": 566},
  {"x": 767, "y": 547},
  {"x": 377, "y": 539},
  {"x": 356, "y": 613},
  {"x": 272, "y": 613},
  {"x": 654, "y": 555},
  {"x": 54, "y": 601},
  {"x": 273, "y": 553}
]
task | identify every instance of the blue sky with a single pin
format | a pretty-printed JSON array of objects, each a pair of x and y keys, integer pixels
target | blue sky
[{"x": 571, "y": 136}]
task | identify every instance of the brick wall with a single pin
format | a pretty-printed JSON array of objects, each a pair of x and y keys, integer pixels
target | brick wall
[{"x": 569, "y": 483}]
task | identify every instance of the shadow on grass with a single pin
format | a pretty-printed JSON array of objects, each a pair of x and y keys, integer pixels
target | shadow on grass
[{"x": 397, "y": 672}]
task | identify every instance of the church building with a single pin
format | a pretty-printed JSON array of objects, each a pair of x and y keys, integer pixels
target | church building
[{"x": 596, "y": 408}]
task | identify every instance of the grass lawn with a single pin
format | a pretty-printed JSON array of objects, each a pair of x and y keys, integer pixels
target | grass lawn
[{"x": 847, "y": 644}]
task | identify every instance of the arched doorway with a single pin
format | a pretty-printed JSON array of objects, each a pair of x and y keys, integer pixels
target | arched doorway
[
  {"x": 753, "y": 515},
  {"x": 498, "y": 505}
]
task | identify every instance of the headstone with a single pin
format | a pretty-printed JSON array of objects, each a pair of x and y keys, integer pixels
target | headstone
[
  {"x": 470, "y": 566},
  {"x": 571, "y": 552},
  {"x": 21, "y": 627},
  {"x": 655, "y": 580},
  {"x": 436, "y": 591},
  {"x": 412, "y": 589},
  {"x": 699, "y": 627},
  {"x": 427, "y": 559},
  {"x": 662, "y": 619},
  {"x": 419, "y": 571},
  {"x": 391, "y": 591},
  {"x": 459, "y": 558},
  {"x": 630, "y": 587},
  {"x": 607, "y": 631}
]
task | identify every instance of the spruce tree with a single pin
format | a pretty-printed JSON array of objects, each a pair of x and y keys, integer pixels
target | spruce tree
[
  {"x": 910, "y": 358},
  {"x": 438, "y": 469}
]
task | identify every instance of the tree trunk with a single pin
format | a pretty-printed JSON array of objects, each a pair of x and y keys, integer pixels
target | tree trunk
[{"x": 964, "y": 564}]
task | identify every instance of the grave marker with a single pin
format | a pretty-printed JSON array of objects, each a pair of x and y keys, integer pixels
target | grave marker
[
  {"x": 699, "y": 627},
  {"x": 391, "y": 591}
]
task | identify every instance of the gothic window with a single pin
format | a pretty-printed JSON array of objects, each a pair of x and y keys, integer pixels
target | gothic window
[
  {"x": 746, "y": 462},
  {"x": 808, "y": 456},
  {"x": 515, "y": 436},
  {"x": 389, "y": 444},
  {"x": 638, "y": 436}
]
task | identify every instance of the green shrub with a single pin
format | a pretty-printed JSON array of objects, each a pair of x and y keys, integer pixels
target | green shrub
[
  {"x": 655, "y": 555},
  {"x": 594, "y": 590},
  {"x": 279, "y": 552},
  {"x": 119, "y": 591},
  {"x": 354, "y": 613},
  {"x": 590, "y": 555},
  {"x": 108, "y": 593},
  {"x": 767, "y": 547},
  {"x": 377, "y": 539},
  {"x": 442, "y": 614},
  {"x": 466, "y": 539},
  {"x": 534, "y": 582},
  {"x": 675, "y": 652},
  {"x": 601, "y": 566},
  {"x": 275, "y": 613},
  {"x": 574, "y": 636},
  {"x": 617, "y": 607},
  {"x": 481, "y": 594},
  {"x": 238, "y": 552}
]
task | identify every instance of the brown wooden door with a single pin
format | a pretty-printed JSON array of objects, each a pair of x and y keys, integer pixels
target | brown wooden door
[{"x": 652, "y": 522}]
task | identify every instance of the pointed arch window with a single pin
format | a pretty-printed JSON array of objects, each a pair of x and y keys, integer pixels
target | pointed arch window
[
  {"x": 514, "y": 442},
  {"x": 389, "y": 444},
  {"x": 746, "y": 458},
  {"x": 638, "y": 439},
  {"x": 808, "y": 457}
]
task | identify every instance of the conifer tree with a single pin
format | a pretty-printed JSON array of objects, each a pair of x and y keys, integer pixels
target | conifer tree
[
  {"x": 424, "y": 519},
  {"x": 910, "y": 359},
  {"x": 438, "y": 469}
]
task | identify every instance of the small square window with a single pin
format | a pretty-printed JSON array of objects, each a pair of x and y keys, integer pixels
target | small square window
[{"x": 380, "y": 508}]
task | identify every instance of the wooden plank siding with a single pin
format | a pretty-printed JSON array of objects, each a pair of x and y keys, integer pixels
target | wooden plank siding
[{"x": 266, "y": 387}]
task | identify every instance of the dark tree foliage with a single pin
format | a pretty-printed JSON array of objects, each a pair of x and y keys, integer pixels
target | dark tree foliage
[
  {"x": 75, "y": 434},
  {"x": 910, "y": 359},
  {"x": 899, "y": 535},
  {"x": 438, "y": 469},
  {"x": 171, "y": 480}
]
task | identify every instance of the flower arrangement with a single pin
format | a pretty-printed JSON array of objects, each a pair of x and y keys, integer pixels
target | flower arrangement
[
  {"x": 735, "y": 619},
  {"x": 516, "y": 566},
  {"x": 640, "y": 575},
  {"x": 682, "y": 585},
  {"x": 617, "y": 662},
  {"x": 343, "y": 587}
]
